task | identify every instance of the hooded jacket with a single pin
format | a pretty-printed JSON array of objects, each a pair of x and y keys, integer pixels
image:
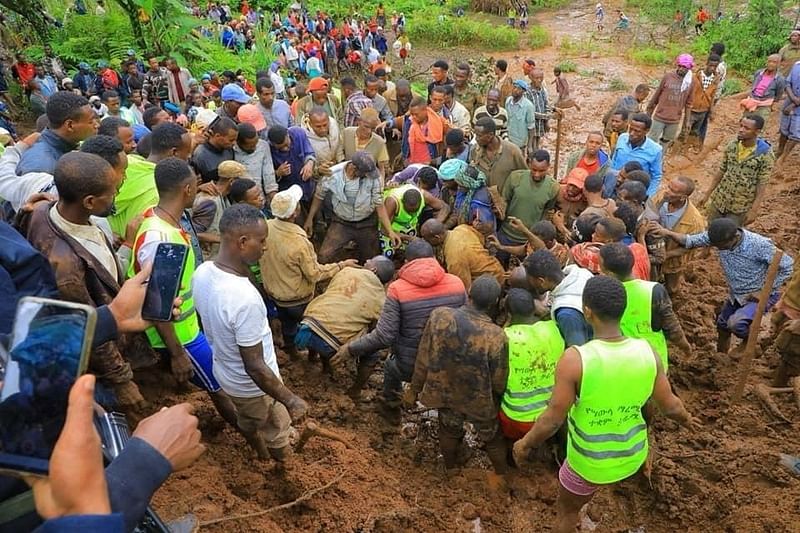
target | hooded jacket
[{"x": 421, "y": 287}]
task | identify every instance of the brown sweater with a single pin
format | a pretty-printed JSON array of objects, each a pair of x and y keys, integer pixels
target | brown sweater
[{"x": 669, "y": 101}]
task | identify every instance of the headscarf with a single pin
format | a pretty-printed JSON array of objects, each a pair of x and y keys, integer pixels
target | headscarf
[{"x": 471, "y": 179}]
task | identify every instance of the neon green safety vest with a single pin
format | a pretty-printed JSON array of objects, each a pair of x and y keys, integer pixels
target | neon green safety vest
[
  {"x": 186, "y": 325},
  {"x": 637, "y": 321},
  {"x": 403, "y": 221},
  {"x": 607, "y": 437},
  {"x": 533, "y": 351}
]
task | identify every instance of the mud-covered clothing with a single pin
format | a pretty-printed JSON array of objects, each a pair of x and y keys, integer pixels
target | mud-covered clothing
[
  {"x": 421, "y": 287},
  {"x": 462, "y": 363},
  {"x": 689, "y": 221},
  {"x": 466, "y": 256}
]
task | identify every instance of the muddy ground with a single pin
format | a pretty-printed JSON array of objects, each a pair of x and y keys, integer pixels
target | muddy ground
[{"x": 724, "y": 478}]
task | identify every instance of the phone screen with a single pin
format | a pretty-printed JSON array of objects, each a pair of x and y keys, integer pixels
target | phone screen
[
  {"x": 165, "y": 281},
  {"x": 50, "y": 348}
]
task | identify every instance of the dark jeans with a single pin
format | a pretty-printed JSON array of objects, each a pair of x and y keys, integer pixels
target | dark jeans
[
  {"x": 573, "y": 326},
  {"x": 394, "y": 374},
  {"x": 340, "y": 232},
  {"x": 736, "y": 318},
  {"x": 290, "y": 318}
]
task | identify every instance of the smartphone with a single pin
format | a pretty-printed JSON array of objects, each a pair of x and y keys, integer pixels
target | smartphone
[
  {"x": 50, "y": 346},
  {"x": 165, "y": 281}
]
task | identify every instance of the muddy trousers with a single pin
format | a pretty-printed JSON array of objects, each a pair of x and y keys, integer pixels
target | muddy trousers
[
  {"x": 451, "y": 433},
  {"x": 395, "y": 373}
]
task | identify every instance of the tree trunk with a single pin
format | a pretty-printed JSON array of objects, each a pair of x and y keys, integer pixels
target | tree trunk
[
  {"x": 33, "y": 13},
  {"x": 132, "y": 10}
]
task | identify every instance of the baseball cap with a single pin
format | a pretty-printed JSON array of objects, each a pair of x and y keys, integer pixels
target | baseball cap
[
  {"x": 285, "y": 202},
  {"x": 205, "y": 117},
  {"x": 231, "y": 169},
  {"x": 172, "y": 108},
  {"x": 576, "y": 177},
  {"x": 365, "y": 164},
  {"x": 318, "y": 84},
  {"x": 66, "y": 81},
  {"x": 250, "y": 114},
  {"x": 235, "y": 93},
  {"x": 522, "y": 84},
  {"x": 93, "y": 99},
  {"x": 84, "y": 65}
]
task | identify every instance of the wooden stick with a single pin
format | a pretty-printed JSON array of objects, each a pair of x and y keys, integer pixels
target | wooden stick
[
  {"x": 312, "y": 429},
  {"x": 303, "y": 497},
  {"x": 755, "y": 326},
  {"x": 558, "y": 142}
]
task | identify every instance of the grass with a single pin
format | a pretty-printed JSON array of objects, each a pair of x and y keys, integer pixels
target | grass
[
  {"x": 538, "y": 37},
  {"x": 732, "y": 86},
  {"x": 617, "y": 84},
  {"x": 587, "y": 73},
  {"x": 579, "y": 47},
  {"x": 567, "y": 65},
  {"x": 436, "y": 28},
  {"x": 654, "y": 56}
]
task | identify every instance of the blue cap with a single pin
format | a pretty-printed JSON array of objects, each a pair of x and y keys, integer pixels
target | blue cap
[
  {"x": 83, "y": 65},
  {"x": 522, "y": 84},
  {"x": 206, "y": 76},
  {"x": 235, "y": 93},
  {"x": 172, "y": 108},
  {"x": 139, "y": 131},
  {"x": 102, "y": 63}
]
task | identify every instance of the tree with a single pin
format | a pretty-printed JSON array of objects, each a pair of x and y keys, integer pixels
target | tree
[{"x": 33, "y": 12}]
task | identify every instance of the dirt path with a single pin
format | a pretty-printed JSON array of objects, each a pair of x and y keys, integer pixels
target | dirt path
[{"x": 723, "y": 479}]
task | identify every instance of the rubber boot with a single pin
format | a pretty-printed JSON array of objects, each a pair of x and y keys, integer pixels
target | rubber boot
[
  {"x": 363, "y": 374},
  {"x": 280, "y": 454},
  {"x": 496, "y": 449},
  {"x": 449, "y": 445},
  {"x": 390, "y": 412}
]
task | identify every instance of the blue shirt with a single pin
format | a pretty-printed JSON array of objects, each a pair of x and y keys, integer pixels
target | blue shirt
[
  {"x": 47, "y": 85},
  {"x": 280, "y": 114},
  {"x": 649, "y": 154},
  {"x": 43, "y": 155},
  {"x": 745, "y": 265},
  {"x": 521, "y": 119},
  {"x": 298, "y": 154}
]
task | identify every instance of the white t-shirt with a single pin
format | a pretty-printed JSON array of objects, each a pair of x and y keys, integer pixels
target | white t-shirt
[{"x": 233, "y": 315}]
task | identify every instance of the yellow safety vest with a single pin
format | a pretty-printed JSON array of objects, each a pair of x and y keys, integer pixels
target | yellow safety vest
[
  {"x": 533, "y": 351},
  {"x": 187, "y": 327},
  {"x": 607, "y": 437},
  {"x": 637, "y": 321}
]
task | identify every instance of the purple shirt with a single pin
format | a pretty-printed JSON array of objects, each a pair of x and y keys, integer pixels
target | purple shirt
[{"x": 298, "y": 154}]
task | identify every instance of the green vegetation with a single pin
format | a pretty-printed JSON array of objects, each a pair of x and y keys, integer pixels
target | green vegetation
[
  {"x": 436, "y": 28},
  {"x": 538, "y": 37},
  {"x": 567, "y": 65},
  {"x": 617, "y": 84},
  {"x": 761, "y": 31},
  {"x": 660, "y": 11},
  {"x": 584, "y": 47},
  {"x": 732, "y": 86},
  {"x": 90, "y": 38},
  {"x": 650, "y": 56}
]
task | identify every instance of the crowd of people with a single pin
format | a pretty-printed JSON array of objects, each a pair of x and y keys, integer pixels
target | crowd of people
[{"x": 366, "y": 226}]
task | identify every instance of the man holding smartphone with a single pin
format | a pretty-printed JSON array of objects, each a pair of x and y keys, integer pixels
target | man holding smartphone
[
  {"x": 235, "y": 318},
  {"x": 188, "y": 350}
]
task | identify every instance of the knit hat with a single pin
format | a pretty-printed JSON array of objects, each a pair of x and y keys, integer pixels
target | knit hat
[
  {"x": 284, "y": 203},
  {"x": 231, "y": 169},
  {"x": 249, "y": 114}
]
